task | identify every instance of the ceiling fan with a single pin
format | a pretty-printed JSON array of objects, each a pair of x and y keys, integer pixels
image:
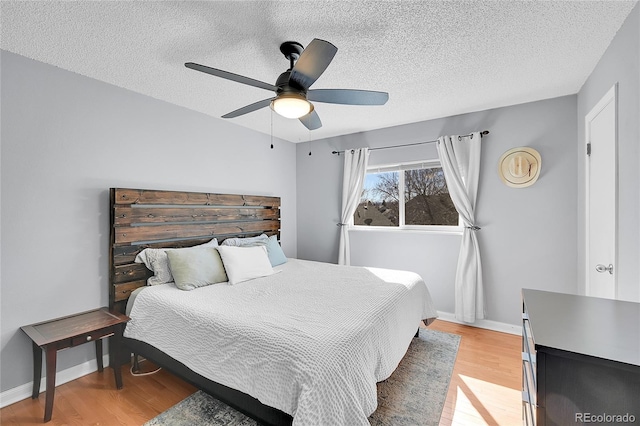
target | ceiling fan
[{"x": 292, "y": 86}]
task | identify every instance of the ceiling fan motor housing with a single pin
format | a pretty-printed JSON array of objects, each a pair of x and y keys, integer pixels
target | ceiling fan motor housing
[{"x": 285, "y": 85}]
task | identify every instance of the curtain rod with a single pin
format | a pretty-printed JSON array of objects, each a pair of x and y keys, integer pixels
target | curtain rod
[{"x": 470, "y": 135}]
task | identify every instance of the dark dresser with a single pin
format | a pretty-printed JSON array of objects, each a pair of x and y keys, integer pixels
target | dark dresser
[{"x": 580, "y": 360}]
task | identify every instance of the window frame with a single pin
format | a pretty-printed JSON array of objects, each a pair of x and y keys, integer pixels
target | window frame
[{"x": 402, "y": 227}]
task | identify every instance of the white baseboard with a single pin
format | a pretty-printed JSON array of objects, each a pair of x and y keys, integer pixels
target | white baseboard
[
  {"x": 502, "y": 327},
  {"x": 21, "y": 392}
]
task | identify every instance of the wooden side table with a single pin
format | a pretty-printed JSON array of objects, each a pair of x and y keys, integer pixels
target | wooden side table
[{"x": 61, "y": 333}]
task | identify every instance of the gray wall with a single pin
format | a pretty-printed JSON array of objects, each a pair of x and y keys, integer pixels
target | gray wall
[
  {"x": 620, "y": 64},
  {"x": 528, "y": 236},
  {"x": 66, "y": 139}
]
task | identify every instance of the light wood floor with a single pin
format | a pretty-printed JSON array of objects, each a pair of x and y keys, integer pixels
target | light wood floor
[
  {"x": 484, "y": 389},
  {"x": 486, "y": 383}
]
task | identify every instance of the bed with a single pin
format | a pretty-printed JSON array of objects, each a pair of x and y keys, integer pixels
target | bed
[{"x": 304, "y": 345}]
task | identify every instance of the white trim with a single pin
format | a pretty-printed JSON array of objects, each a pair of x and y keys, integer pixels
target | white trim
[
  {"x": 502, "y": 327},
  {"x": 409, "y": 165},
  {"x": 610, "y": 96},
  {"x": 423, "y": 229},
  {"x": 21, "y": 392}
]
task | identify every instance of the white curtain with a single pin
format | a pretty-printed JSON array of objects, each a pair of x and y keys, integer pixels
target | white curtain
[
  {"x": 460, "y": 158},
  {"x": 355, "y": 169}
]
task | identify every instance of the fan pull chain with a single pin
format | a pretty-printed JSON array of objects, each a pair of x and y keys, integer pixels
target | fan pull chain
[{"x": 271, "y": 115}]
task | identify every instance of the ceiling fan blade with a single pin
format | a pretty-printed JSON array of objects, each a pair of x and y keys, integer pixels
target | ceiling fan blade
[
  {"x": 348, "y": 96},
  {"x": 312, "y": 63},
  {"x": 311, "y": 121},
  {"x": 231, "y": 76},
  {"x": 249, "y": 108}
]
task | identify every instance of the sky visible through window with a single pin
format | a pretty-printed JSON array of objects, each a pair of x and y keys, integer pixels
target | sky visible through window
[{"x": 370, "y": 182}]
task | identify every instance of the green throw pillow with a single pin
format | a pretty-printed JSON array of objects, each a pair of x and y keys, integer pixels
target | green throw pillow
[{"x": 196, "y": 267}]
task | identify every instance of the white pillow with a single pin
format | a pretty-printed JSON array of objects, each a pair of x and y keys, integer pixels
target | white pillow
[
  {"x": 246, "y": 241},
  {"x": 245, "y": 263},
  {"x": 156, "y": 260}
]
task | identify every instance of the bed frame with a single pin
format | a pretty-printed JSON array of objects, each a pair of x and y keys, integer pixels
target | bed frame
[{"x": 142, "y": 218}]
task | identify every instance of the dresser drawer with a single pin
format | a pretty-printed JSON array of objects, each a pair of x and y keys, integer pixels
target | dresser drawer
[
  {"x": 529, "y": 378},
  {"x": 527, "y": 336},
  {"x": 528, "y": 353},
  {"x": 528, "y": 414},
  {"x": 90, "y": 337},
  {"x": 528, "y": 402}
]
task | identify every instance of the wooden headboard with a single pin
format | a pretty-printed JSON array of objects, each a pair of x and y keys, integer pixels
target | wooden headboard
[{"x": 142, "y": 218}]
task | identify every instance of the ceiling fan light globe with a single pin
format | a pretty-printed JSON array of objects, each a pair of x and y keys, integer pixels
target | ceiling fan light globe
[{"x": 291, "y": 106}]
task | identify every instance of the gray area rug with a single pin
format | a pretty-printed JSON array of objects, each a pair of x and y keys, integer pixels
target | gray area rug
[{"x": 413, "y": 395}]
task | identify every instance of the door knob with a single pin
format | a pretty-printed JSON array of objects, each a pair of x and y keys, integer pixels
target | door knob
[{"x": 602, "y": 268}]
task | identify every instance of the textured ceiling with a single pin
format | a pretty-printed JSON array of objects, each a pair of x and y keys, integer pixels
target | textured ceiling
[{"x": 435, "y": 58}]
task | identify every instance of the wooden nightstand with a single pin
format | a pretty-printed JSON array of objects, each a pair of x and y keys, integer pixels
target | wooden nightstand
[{"x": 61, "y": 333}]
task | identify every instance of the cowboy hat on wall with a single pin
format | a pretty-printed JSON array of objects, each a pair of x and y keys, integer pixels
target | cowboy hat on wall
[{"x": 519, "y": 167}]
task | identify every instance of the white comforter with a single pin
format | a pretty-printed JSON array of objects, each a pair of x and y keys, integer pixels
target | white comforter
[{"x": 311, "y": 340}]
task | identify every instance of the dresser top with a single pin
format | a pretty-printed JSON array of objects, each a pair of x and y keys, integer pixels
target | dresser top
[{"x": 603, "y": 328}]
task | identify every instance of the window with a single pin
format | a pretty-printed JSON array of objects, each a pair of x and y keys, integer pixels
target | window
[{"x": 406, "y": 196}]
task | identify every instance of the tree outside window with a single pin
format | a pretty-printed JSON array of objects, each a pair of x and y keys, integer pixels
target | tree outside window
[{"x": 406, "y": 195}]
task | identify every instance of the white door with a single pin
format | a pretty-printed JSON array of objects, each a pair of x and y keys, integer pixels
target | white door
[{"x": 601, "y": 197}]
